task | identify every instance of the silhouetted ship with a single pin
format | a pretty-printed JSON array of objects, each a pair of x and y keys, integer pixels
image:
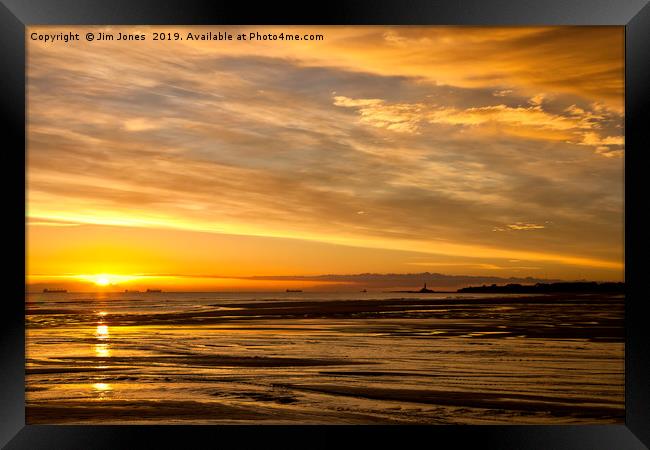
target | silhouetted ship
[
  {"x": 363, "y": 290},
  {"x": 154, "y": 290},
  {"x": 130, "y": 291},
  {"x": 294, "y": 290},
  {"x": 49, "y": 291}
]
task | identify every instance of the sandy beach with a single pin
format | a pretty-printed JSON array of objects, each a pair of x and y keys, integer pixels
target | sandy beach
[{"x": 294, "y": 358}]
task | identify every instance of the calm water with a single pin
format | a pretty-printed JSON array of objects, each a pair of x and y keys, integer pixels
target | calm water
[{"x": 324, "y": 358}]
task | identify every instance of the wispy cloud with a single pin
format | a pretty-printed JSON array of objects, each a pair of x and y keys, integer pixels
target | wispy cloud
[
  {"x": 520, "y": 226},
  {"x": 531, "y": 122}
]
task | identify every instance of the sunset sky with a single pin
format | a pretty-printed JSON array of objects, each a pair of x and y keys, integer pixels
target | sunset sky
[{"x": 200, "y": 165}]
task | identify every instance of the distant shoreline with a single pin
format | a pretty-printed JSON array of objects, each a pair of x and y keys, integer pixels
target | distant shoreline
[
  {"x": 549, "y": 288},
  {"x": 592, "y": 287}
]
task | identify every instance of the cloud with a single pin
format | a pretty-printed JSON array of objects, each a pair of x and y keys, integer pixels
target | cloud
[
  {"x": 520, "y": 226},
  {"x": 363, "y": 102},
  {"x": 537, "y": 100},
  {"x": 608, "y": 146},
  {"x": 533, "y": 117},
  {"x": 528, "y": 122},
  {"x": 400, "y": 117},
  {"x": 586, "y": 62},
  {"x": 140, "y": 124},
  {"x": 49, "y": 223},
  {"x": 502, "y": 92},
  {"x": 482, "y": 266},
  {"x": 408, "y": 280}
]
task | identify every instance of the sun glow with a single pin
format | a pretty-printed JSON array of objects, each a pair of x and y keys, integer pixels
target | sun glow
[{"x": 104, "y": 279}]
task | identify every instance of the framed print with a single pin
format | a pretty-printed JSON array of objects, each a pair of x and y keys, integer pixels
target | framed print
[{"x": 342, "y": 222}]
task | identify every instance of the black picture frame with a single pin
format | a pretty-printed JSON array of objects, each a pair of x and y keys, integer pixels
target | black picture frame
[{"x": 15, "y": 15}]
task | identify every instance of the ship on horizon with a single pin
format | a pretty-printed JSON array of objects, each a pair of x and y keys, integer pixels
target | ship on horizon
[{"x": 51, "y": 291}]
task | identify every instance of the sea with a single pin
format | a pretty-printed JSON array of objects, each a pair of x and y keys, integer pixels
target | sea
[{"x": 323, "y": 358}]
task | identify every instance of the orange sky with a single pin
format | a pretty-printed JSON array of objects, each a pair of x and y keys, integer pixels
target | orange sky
[{"x": 196, "y": 165}]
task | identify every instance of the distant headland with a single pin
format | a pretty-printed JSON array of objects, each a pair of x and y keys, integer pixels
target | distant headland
[{"x": 587, "y": 287}]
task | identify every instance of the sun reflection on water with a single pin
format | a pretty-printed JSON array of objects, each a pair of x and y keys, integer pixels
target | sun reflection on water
[
  {"x": 102, "y": 350},
  {"x": 102, "y": 331},
  {"x": 102, "y": 390}
]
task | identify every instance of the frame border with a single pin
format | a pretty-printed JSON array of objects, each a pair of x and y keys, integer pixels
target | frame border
[{"x": 15, "y": 15}]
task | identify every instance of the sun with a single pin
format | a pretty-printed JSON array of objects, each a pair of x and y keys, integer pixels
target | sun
[
  {"x": 102, "y": 280},
  {"x": 106, "y": 279}
]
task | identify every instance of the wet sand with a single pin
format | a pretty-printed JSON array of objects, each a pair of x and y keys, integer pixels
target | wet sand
[{"x": 209, "y": 358}]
